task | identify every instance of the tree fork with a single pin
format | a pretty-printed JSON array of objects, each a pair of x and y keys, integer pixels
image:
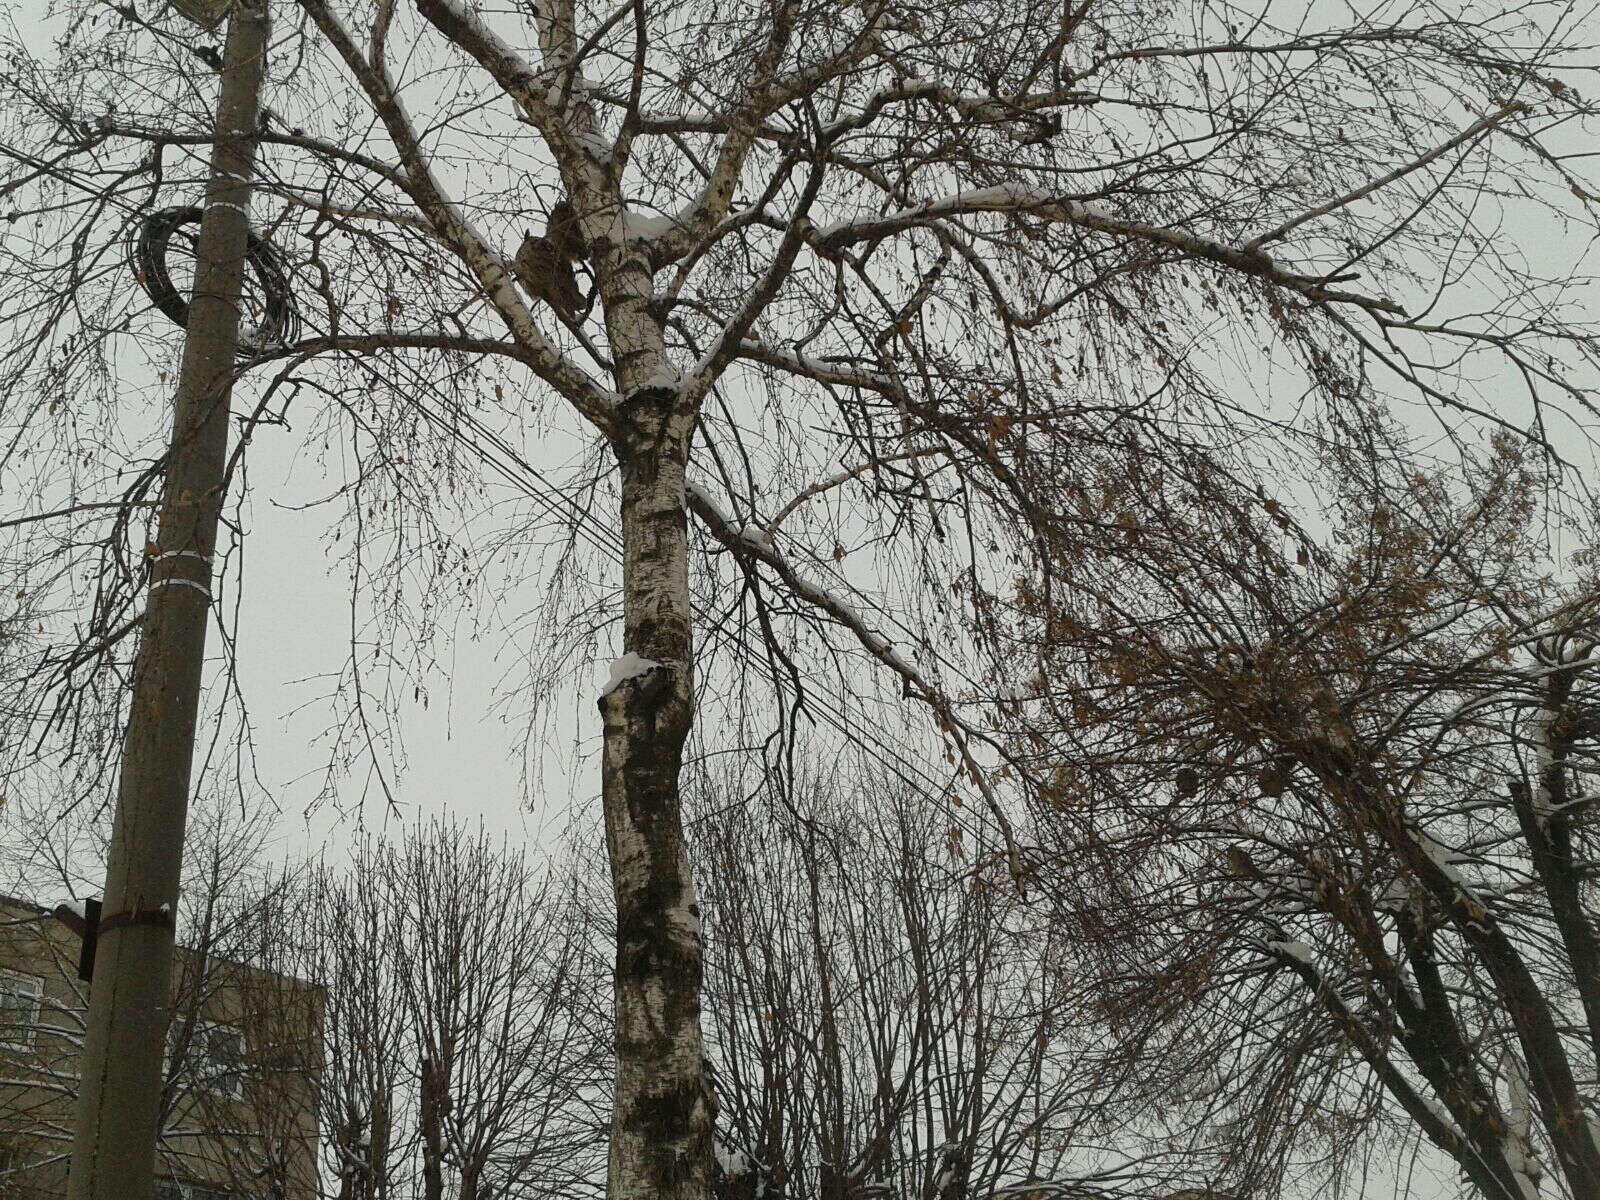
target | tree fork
[
  {"x": 113, "y": 1152},
  {"x": 664, "y": 1108}
]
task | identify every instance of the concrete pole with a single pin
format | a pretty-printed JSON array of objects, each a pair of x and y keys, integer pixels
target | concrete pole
[{"x": 119, "y": 1098}]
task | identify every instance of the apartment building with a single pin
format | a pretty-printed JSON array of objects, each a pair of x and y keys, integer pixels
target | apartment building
[{"x": 244, "y": 1052}]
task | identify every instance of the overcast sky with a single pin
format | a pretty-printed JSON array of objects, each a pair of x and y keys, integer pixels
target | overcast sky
[{"x": 463, "y": 754}]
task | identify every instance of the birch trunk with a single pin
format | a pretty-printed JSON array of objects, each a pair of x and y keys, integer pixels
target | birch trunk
[{"x": 663, "y": 1110}]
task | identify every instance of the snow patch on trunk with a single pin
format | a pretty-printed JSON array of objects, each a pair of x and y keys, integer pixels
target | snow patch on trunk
[
  {"x": 1544, "y": 761},
  {"x": 756, "y": 535},
  {"x": 1519, "y": 1151},
  {"x": 642, "y": 227},
  {"x": 629, "y": 666},
  {"x": 663, "y": 377}
]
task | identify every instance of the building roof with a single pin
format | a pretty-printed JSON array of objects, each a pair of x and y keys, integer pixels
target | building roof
[{"x": 7, "y": 901}]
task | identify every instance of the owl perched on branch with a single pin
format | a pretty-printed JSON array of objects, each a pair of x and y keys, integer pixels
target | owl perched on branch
[
  {"x": 563, "y": 231},
  {"x": 543, "y": 265}
]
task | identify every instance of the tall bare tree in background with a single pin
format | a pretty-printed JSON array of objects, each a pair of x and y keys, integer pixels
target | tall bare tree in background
[
  {"x": 884, "y": 1017},
  {"x": 463, "y": 1050},
  {"x": 865, "y": 278}
]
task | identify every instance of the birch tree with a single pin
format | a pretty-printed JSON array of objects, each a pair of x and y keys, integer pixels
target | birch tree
[{"x": 860, "y": 276}]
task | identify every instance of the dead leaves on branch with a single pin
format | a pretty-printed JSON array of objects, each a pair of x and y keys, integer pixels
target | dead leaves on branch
[{"x": 1218, "y": 635}]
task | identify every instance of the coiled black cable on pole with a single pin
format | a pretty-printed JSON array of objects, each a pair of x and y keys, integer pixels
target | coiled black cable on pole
[{"x": 147, "y": 256}]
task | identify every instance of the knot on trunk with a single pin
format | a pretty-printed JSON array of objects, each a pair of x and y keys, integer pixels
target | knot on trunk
[
  {"x": 675, "y": 1117},
  {"x": 648, "y": 406},
  {"x": 645, "y": 432},
  {"x": 648, "y": 705}
]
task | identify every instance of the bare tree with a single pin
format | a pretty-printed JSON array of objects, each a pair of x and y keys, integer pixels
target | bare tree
[
  {"x": 365, "y": 1040},
  {"x": 885, "y": 1018},
  {"x": 1335, "y": 792},
  {"x": 927, "y": 256},
  {"x": 461, "y": 1052}
]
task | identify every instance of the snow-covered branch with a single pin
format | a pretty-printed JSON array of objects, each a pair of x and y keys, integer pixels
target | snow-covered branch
[
  {"x": 1084, "y": 214},
  {"x": 452, "y": 225}
]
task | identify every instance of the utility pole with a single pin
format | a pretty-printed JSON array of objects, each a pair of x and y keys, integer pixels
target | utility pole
[{"x": 113, "y": 1149}]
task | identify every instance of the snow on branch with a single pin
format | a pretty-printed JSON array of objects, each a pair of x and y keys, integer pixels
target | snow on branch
[
  {"x": 453, "y": 226},
  {"x": 1086, "y": 214},
  {"x": 1299, "y": 951},
  {"x": 530, "y": 88},
  {"x": 821, "y": 370}
]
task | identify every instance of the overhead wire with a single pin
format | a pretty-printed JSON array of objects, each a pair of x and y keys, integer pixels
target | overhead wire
[{"x": 532, "y": 482}]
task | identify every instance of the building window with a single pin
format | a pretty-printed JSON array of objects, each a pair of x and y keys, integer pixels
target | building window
[
  {"x": 215, "y": 1061},
  {"x": 221, "y": 1061},
  {"x": 171, "y": 1189},
  {"x": 19, "y": 1008}
]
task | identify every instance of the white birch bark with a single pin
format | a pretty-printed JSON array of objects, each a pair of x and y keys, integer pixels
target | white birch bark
[{"x": 663, "y": 1107}]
